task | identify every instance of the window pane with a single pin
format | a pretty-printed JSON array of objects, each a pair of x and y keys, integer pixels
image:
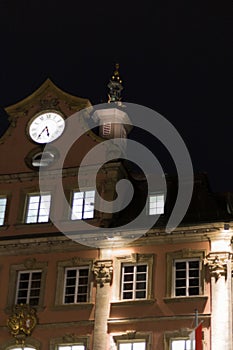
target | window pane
[
  {"x": 76, "y": 285},
  {"x": 83, "y": 205},
  {"x": 28, "y": 290},
  {"x": 187, "y": 277},
  {"x": 156, "y": 204},
  {"x": 38, "y": 208},
  {"x": 2, "y": 210},
  {"x": 134, "y": 281}
]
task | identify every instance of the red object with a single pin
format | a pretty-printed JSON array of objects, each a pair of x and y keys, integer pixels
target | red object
[{"x": 198, "y": 337}]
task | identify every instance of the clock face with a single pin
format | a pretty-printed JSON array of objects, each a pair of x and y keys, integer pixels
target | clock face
[{"x": 46, "y": 127}]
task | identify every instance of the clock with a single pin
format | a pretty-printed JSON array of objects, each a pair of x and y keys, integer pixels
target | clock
[{"x": 46, "y": 127}]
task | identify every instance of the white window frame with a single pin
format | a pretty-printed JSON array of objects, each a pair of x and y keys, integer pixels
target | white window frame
[
  {"x": 3, "y": 204},
  {"x": 80, "y": 207},
  {"x": 187, "y": 278},
  {"x": 131, "y": 344},
  {"x": 77, "y": 285},
  {"x": 29, "y": 288},
  {"x": 184, "y": 344},
  {"x": 133, "y": 290},
  {"x": 22, "y": 348},
  {"x": 71, "y": 347},
  {"x": 41, "y": 208},
  {"x": 155, "y": 207}
]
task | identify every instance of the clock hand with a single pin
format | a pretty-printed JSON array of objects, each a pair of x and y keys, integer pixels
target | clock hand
[{"x": 45, "y": 129}]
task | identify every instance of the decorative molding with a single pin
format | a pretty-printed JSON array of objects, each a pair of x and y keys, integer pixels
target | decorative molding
[
  {"x": 22, "y": 322},
  {"x": 49, "y": 103},
  {"x": 103, "y": 271},
  {"x": 30, "y": 263},
  {"x": 217, "y": 263}
]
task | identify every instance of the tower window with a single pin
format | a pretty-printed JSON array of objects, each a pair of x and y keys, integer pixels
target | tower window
[{"x": 156, "y": 204}]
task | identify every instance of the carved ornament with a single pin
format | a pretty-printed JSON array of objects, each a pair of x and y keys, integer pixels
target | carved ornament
[
  {"x": 103, "y": 271},
  {"x": 22, "y": 322},
  {"x": 217, "y": 263}
]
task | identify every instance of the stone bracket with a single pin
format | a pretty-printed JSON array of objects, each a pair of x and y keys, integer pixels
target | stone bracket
[
  {"x": 217, "y": 263},
  {"x": 103, "y": 271}
]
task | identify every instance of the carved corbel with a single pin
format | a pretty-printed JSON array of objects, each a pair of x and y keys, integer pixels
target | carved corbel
[
  {"x": 103, "y": 271},
  {"x": 217, "y": 263}
]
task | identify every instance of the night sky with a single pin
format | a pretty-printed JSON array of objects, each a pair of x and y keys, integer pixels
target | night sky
[{"x": 175, "y": 57}]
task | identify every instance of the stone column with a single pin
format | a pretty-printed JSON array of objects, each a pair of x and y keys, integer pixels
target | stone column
[
  {"x": 219, "y": 263},
  {"x": 103, "y": 276}
]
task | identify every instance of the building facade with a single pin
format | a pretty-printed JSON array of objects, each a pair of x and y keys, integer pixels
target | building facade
[{"x": 60, "y": 292}]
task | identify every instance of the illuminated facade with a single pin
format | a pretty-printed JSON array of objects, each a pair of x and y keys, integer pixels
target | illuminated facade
[{"x": 59, "y": 294}]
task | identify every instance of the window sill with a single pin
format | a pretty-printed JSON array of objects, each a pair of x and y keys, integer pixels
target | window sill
[
  {"x": 69, "y": 307},
  {"x": 33, "y": 224},
  {"x": 185, "y": 299},
  {"x": 4, "y": 227},
  {"x": 122, "y": 303},
  {"x": 39, "y": 308}
]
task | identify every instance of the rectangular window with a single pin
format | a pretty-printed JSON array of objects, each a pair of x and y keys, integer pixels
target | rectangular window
[
  {"x": 38, "y": 208},
  {"x": 71, "y": 347},
  {"x": 2, "y": 210},
  {"x": 187, "y": 277},
  {"x": 181, "y": 344},
  {"x": 28, "y": 287},
  {"x": 76, "y": 285},
  {"x": 156, "y": 204},
  {"x": 134, "y": 282},
  {"x": 83, "y": 205},
  {"x": 134, "y": 345}
]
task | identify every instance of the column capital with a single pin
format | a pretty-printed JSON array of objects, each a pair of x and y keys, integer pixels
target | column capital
[
  {"x": 217, "y": 263},
  {"x": 103, "y": 271}
]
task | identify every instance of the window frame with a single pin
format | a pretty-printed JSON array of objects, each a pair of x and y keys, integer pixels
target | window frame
[
  {"x": 74, "y": 262},
  {"x": 133, "y": 337},
  {"x": 29, "y": 288},
  {"x": 187, "y": 277},
  {"x": 28, "y": 265},
  {"x": 135, "y": 272},
  {"x": 157, "y": 212},
  {"x": 77, "y": 269},
  {"x": 3, "y": 222},
  {"x": 40, "y": 195},
  {"x": 150, "y": 260},
  {"x": 69, "y": 340},
  {"x": 83, "y": 211},
  {"x": 184, "y": 254}
]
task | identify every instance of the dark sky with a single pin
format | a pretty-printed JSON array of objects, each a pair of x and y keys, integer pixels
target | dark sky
[{"x": 175, "y": 57}]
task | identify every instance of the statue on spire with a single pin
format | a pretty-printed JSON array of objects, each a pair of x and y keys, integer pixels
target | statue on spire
[{"x": 115, "y": 86}]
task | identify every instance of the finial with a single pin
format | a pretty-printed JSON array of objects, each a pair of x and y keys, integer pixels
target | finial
[{"x": 115, "y": 86}]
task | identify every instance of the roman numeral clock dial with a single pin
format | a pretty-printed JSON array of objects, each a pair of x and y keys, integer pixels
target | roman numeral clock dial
[{"x": 46, "y": 127}]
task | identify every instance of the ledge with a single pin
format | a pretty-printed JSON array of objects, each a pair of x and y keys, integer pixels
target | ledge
[
  {"x": 122, "y": 303},
  {"x": 185, "y": 299},
  {"x": 70, "y": 307}
]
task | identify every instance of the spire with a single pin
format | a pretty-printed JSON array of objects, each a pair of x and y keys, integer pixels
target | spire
[{"x": 115, "y": 86}]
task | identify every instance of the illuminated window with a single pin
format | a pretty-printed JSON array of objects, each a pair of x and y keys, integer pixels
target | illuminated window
[
  {"x": 38, "y": 208},
  {"x": 2, "y": 210},
  {"x": 133, "y": 345},
  {"x": 71, "y": 347},
  {"x": 134, "y": 281},
  {"x": 28, "y": 287},
  {"x": 186, "y": 277},
  {"x": 83, "y": 205},
  {"x": 76, "y": 285},
  {"x": 156, "y": 204},
  {"x": 24, "y": 348},
  {"x": 181, "y": 344}
]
